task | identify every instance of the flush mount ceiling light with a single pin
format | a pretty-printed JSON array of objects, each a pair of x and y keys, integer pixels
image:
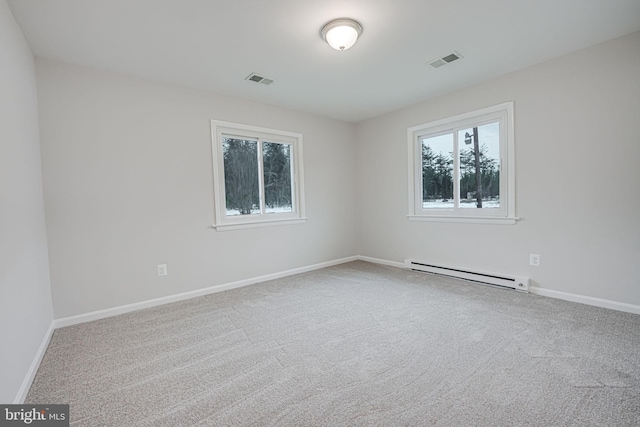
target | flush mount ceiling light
[{"x": 342, "y": 33}]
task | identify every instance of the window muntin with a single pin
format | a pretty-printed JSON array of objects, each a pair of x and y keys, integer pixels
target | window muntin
[
  {"x": 478, "y": 144},
  {"x": 257, "y": 176}
]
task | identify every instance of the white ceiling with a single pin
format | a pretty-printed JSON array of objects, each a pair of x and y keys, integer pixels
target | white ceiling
[{"x": 214, "y": 44}]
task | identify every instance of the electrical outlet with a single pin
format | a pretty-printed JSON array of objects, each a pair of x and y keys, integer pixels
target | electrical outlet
[
  {"x": 534, "y": 260},
  {"x": 162, "y": 269}
]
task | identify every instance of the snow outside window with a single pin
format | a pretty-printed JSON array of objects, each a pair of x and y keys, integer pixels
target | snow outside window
[
  {"x": 463, "y": 168},
  {"x": 257, "y": 176}
]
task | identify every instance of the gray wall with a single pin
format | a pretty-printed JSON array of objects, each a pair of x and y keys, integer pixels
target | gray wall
[
  {"x": 25, "y": 295},
  {"x": 578, "y": 177},
  {"x": 128, "y": 185}
]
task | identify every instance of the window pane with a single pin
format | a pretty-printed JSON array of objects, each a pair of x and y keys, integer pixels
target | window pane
[
  {"x": 277, "y": 177},
  {"x": 437, "y": 172},
  {"x": 242, "y": 194},
  {"x": 480, "y": 166}
]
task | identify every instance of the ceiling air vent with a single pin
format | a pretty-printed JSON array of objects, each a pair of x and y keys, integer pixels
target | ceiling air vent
[
  {"x": 437, "y": 63},
  {"x": 259, "y": 79}
]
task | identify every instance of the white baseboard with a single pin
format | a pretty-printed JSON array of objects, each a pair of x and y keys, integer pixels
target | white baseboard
[
  {"x": 114, "y": 311},
  {"x": 101, "y": 314},
  {"x": 35, "y": 364},
  {"x": 381, "y": 261},
  {"x": 582, "y": 299}
]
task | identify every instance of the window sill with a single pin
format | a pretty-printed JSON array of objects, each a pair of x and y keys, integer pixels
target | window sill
[
  {"x": 258, "y": 224},
  {"x": 467, "y": 219}
]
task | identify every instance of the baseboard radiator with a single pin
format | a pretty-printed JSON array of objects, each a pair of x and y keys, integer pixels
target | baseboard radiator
[{"x": 518, "y": 283}]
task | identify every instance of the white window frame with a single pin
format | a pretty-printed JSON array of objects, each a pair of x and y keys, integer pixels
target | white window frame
[
  {"x": 222, "y": 222},
  {"x": 506, "y": 214}
]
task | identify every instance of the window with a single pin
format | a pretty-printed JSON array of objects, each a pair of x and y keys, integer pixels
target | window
[
  {"x": 462, "y": 168},
  {"x": 257, "y": 176}
]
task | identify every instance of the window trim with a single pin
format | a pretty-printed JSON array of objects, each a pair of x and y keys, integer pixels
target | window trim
[
  {"x": 507, "y": 215},
  {"x": 222, "y": 222}
]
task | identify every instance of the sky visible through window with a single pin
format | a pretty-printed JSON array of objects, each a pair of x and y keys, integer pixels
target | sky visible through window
[{"x": 487, "y": 134}]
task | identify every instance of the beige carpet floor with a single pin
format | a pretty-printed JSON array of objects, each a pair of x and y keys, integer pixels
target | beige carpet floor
[{"x": 353, "y": 345}]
